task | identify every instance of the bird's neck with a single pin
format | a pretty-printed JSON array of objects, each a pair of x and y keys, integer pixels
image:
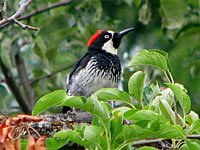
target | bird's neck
[{"x": 104, "y": 49}]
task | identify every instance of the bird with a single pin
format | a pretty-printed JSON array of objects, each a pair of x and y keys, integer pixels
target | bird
[{"x": 99, "y": 68}]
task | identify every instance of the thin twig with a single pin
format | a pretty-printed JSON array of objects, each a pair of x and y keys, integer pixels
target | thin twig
[
  {"x": 52, "y": 74},
  {"x": 21, "y": 10},
  {"x": 39, "y": 11},
  {"x": 24, "y": 26},
  {"x": 18, "y": 13}
]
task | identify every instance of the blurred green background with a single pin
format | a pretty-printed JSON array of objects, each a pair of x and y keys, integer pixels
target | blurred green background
[{"x": 169, "y": 25}]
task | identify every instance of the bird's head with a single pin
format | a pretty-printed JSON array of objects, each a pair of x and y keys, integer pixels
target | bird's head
[{"x": 107, "y": 40}]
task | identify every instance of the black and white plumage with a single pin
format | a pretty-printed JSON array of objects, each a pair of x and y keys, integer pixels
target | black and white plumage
[{"x": 99, "y": 68}]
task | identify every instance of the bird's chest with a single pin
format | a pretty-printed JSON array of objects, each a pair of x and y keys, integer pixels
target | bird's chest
[
  {"x": 105, "y": 69},
  {"x": 99, "y": 73}
]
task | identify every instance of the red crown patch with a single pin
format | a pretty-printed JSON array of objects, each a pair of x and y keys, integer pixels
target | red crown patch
[{"x": 94, "y": 37}]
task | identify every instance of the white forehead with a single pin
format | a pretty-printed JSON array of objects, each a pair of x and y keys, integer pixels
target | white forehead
[{"x": 109, "y": 31}]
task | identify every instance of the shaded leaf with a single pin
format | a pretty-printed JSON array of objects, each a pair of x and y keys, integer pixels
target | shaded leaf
[
  {"x": 168, "y": 9},
  {"x": 116, "y": 126},
  {"x": 181, "y": 96},
  {"x": 145, "y": 14},
  {"x": 73, "y": 136},
  {"x": 40, "y": 48},
  {"x": 167, "y": 111},
  {"x": 170, "y": 131},
  {"x": 194, "y": 126},
  {"x": 136, "y": 84}
]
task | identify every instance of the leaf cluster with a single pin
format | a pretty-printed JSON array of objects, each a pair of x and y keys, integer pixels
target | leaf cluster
[{"x": 156, "y": 118}]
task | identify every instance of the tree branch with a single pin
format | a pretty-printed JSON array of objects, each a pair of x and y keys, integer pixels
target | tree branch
[
  {"x": 19, "y": 12},
  {"x": 154, "y": 141},
  {"x": 39, "y": 11},
  {"x": 19, "y": 61},
  {"x": 14, "y": 87},
  {"x": 24, "y": 26},
  {"x": 52, "y": 74}
]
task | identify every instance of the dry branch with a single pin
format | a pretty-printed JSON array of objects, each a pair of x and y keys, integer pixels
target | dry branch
[
  {"x": 14, "y": 17},
  {"x": 39, "y": 11}
]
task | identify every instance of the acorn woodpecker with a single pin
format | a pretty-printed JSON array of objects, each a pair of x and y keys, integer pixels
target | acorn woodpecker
[{"x": 99, "y": 68}]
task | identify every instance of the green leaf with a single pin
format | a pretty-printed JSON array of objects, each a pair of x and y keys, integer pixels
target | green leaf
[
  {"x": 191, "y": 117},
  {"x": 73, "y": 136},
  {"x": 145, "y": 14},
  {"x": 151, "y": 58},
  {"x": 170, "y": 131},
  {"x": 190, "y": 146},
  {"x": 93, "y": 133},
  {"x": 128, "y": 115},
  {"x": 147, "y": 148},
  {"x": 154, "y": 125},
  {"x": 108, "y": 94},
  {"x": 92, "y": 105},
  {"x": 54, "y": 144},
  {"x": 23, "y": 144},
  {"x": 168, "y": 9},
  {"x": 151, "y": 92},
  {"x": 49, "y": 100},
  {"x": 194, "y": 126},
  {"x": 167, "y": 111},
  {"x": 116, "y": 126},
  {"x": 137, "y": 3},
  {"x": 181, "y": 96},
  {"x": 134, "y": 132},
  {"x": 41, "y": 48},
  {"x": 101, "y": 110},
  {"x": 165, "y": 54},
  {"x": 144, "y": 115},
  {"x": 136, "y": 84},
  {"x": 122, "y": 109},
  {"x": 129, "y": 2}
]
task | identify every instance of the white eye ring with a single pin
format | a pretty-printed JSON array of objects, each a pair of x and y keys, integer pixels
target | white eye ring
[{"x": 106, "y": 36}]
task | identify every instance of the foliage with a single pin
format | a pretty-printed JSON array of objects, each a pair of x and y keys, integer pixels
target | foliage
[
  {"x": 62, "y": 39},
  {"x": 65, "y": 30},
  {"x": 158, "y": 118}
]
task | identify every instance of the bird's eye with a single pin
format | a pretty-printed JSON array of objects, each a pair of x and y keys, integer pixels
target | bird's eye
[{"x": 106, "y": 36}]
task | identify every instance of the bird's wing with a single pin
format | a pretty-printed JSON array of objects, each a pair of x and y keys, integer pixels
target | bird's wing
[{"x": 82, "y": 63}]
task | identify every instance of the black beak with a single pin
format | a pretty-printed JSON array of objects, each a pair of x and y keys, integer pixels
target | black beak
[
  {"x": 118, "y": 36},
  {"x": 124, "y": 32}
]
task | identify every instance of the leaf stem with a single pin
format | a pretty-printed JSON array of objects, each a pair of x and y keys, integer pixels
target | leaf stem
[
  {"x": 165, "y": 73},
  {"x": 170, "y": 75},
  {"x": 174, "y": 143},
  {"x": 122, "y": 145},
  {"x": 106, "y": 131}
]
